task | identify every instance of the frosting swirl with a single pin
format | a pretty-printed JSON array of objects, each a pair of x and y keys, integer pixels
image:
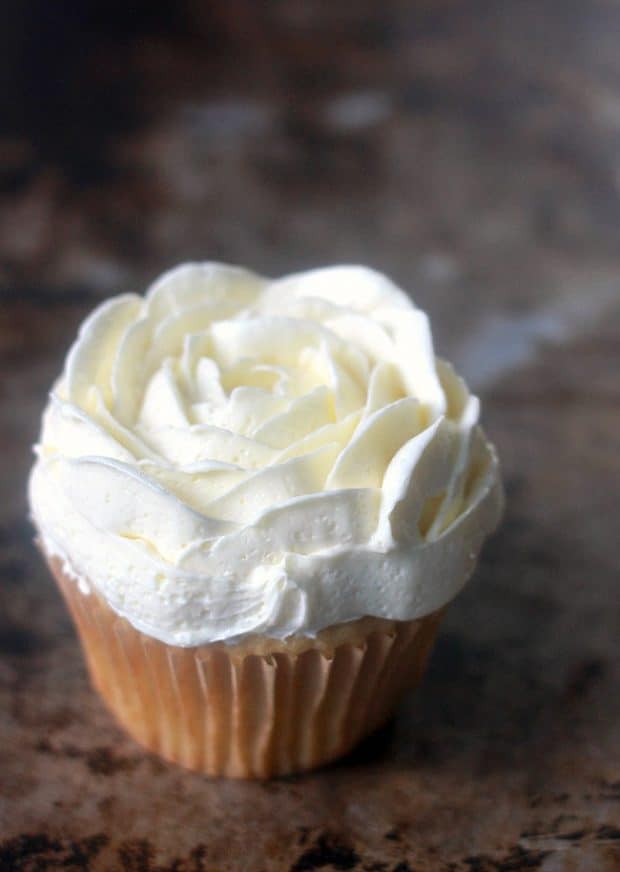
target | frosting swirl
[{"x": 230, "y": 455}]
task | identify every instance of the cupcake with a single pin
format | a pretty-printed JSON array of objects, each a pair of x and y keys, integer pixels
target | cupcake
[{"x": 257, "y": 498}]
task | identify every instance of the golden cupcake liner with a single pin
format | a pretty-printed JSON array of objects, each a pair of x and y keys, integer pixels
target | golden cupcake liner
[{"x": 259, "y": 709}]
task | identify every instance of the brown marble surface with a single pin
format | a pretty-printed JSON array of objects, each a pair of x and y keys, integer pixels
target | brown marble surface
[{"x": 471, "y": 150}]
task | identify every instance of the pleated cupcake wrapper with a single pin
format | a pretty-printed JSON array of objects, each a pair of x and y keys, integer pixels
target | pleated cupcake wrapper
[{"x": 246, "y": 715}]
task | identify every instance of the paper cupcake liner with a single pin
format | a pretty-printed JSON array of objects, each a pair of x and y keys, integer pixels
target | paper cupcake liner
[{"x": 230, "y": 711}]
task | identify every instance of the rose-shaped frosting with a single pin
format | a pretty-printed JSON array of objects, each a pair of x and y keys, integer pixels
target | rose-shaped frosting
[{"x": 230, "y": 455}]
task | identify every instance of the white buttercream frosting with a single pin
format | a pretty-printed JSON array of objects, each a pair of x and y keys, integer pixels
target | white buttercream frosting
[{"x": 230, "y": 455}]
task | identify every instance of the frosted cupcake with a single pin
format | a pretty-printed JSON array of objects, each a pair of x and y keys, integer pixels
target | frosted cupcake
[{"x": 257, "y": 498}]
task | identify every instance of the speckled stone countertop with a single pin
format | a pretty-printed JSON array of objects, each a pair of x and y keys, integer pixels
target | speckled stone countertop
[{"x": 471, "y": 151}]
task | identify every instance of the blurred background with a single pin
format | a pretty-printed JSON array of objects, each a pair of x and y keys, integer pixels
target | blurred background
[
  {"x": 472, "y": 152},
  {"x": 455, "y": 145}
]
